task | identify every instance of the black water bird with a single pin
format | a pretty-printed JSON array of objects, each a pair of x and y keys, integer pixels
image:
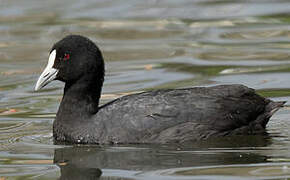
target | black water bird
[{"x": 159, "y": 116}]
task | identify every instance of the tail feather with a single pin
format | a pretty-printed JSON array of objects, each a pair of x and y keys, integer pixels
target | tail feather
[
  {"x": 270, "y": 109},
  {"x": 258, "y": 126}
]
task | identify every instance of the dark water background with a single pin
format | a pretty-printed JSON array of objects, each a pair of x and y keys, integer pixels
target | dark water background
[{"x": 147, "y": 45}]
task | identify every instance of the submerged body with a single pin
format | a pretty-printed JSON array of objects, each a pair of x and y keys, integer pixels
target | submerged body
[{"x": 161, "y": 116}]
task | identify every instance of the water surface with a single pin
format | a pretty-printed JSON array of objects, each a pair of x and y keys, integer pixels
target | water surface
[{"x": 147, "y": 45}]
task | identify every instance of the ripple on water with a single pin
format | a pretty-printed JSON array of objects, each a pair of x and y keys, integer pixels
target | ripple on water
[
  {"x": 30, "y": 133},
  {"x": 206, "y": 42},
  {"x": 256, "y": 171},
  {"x": 252, "y": 170},
  {"x": 224, "y": 172},
  {"x": 23, "y": 170}
]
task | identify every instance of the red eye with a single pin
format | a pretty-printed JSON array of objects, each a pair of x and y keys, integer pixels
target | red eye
[{"x": 66, "y": 57}]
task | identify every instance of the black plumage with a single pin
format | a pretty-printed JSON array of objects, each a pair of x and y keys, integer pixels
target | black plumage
[{"x": 160, "y": 116}]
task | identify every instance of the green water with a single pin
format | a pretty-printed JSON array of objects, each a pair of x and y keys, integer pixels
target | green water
[{"x": 146, "y": 45}]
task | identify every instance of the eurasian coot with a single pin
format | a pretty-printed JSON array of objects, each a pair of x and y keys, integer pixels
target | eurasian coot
[{"x": 159, "y": 116}]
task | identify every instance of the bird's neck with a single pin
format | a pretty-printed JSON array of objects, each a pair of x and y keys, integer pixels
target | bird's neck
[{"x": 80, "y": 99}]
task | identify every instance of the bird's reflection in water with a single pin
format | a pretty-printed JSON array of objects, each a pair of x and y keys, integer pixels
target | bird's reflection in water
[
  {"x": 88, "y": 162},
  {"x": 71, "y": 171}
]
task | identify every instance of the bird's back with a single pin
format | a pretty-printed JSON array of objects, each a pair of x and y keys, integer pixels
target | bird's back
[{"x": 180, "y": 115}]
